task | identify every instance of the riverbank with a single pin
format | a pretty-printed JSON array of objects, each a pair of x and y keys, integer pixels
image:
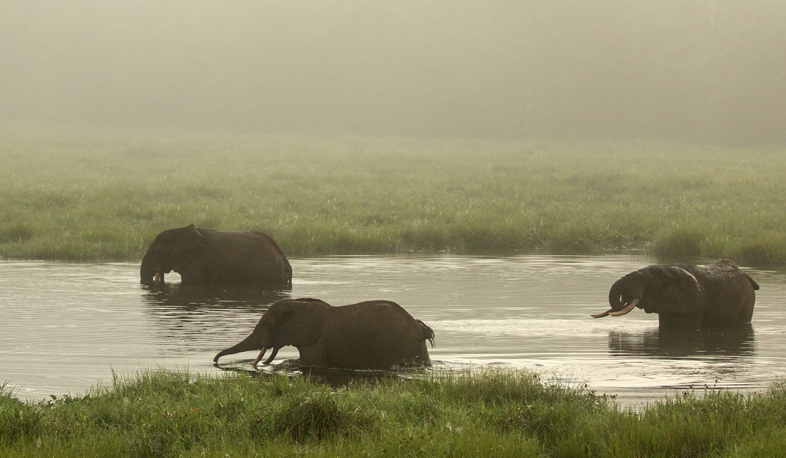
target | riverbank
[
  {"x": 100, "y": 196},
  {"x": 487, "y": 413}
]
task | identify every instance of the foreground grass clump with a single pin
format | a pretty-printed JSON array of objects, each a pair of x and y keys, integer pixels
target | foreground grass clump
[
  {"x": 490, "y": 413},
  {"x": 84, "y": 195}
]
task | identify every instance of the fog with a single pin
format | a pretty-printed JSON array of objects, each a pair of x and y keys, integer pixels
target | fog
[{"x": 696, "y": 70}]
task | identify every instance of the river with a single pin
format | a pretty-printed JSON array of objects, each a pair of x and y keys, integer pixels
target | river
[{"x": 65, "y": 327}]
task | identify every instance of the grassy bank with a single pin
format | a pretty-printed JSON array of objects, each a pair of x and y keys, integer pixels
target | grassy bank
[
  {"x": 492, "y": 413},
  {"x": 84, "y": 196}
]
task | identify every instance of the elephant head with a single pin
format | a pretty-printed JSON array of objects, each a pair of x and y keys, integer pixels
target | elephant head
[
  {"x": 171, "y": 250},
  {"x": 288, "y": 322},
  {"x": 665, "y": 290}
]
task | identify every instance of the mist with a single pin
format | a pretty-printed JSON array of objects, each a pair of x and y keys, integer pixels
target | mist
[{"x": 693, "y": 70}]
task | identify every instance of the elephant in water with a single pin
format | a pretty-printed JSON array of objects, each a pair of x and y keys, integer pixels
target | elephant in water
[
  {"x": 367, "y": 335},
  {"x": 206, "y": 256},
  {"x": 686, "y": 296}
]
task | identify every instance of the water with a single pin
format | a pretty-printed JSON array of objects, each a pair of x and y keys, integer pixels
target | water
[{"x": 66, "y": 327}]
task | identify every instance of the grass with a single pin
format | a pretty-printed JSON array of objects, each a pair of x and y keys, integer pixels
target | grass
[
  {"x": 104, "y": 196},
  {"x": 485, "y": 413}
]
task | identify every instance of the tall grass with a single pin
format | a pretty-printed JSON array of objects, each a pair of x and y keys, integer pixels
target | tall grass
[
  {"x": 487, "y": 413},
  {"x": 101, "y": 196}
]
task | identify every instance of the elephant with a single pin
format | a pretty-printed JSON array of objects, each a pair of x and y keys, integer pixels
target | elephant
[
  {"x": 368, "y": 335},
  {"x": 687, "y": 297},
  {"x": 206, "y": 256}
]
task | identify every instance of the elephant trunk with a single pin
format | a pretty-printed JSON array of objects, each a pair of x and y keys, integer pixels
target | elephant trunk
[
  {"x": 270, "y": 358},
  {"x": 615, "y": 293},
  {"x": 251, "y": 342},
  {"x": 618, "y": 307},
  {"x": 151, "y": 272}
]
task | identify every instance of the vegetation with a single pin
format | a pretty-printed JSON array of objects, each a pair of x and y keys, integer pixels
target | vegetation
[
  {"x": 87, "y": 196},
  {"x": 488, "y": 413}
]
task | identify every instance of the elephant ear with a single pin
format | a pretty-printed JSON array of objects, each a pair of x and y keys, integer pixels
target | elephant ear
[
  {"x": 187, "y": 244},
  {"x": 681, "y": 292},
  {"x": 296, "y": 322}
]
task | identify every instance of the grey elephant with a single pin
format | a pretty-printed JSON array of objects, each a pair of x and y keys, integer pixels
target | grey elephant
[
  {"x": 687, "y": 296},
  {"x": 206, "y": 256},
  {"x": 367, "y": 335}
]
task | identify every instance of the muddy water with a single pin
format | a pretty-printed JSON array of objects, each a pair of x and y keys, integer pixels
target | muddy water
[{"x": 66, "y": 327}]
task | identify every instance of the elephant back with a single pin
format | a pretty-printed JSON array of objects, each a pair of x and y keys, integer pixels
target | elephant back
[{"x": 729, "y": 292}]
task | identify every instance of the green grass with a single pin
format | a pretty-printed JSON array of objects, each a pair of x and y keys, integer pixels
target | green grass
[
  {"x": 486, "y": 413},
  {"x": 89, "y": 196}
]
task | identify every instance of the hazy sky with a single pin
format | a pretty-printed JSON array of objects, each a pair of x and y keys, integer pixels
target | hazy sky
[{"x": 687, "y": 69}]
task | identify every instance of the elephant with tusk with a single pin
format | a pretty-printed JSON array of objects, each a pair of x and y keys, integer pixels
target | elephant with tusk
[
  {"x": 206, "y": 256},
  {"x": 366, "y": 335},
  {"x": 687, "y": 296}
]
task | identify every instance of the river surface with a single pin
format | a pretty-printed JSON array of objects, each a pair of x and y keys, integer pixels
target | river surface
[{"x": 66, "y": 327}]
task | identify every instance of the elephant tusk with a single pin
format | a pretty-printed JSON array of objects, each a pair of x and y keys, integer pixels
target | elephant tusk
[
  {"x": 626, "y": 310},
  {"x": 158, "y": 278},
  {"x": 261, "y": 354},
  {"x": 601, "y": 315},
  {"x": 272, "y": 356}
]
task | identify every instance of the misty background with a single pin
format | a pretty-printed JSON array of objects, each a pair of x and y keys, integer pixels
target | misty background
[{"x": 695, "y": 70}]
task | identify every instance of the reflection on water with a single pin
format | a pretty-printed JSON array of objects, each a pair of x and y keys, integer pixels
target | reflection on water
[
  {"x": 64, "y": 327},
  {"x": 191, "y": 297},
  {"x": 192, "y": 317},
  {"x": 703, "y": 342}
]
